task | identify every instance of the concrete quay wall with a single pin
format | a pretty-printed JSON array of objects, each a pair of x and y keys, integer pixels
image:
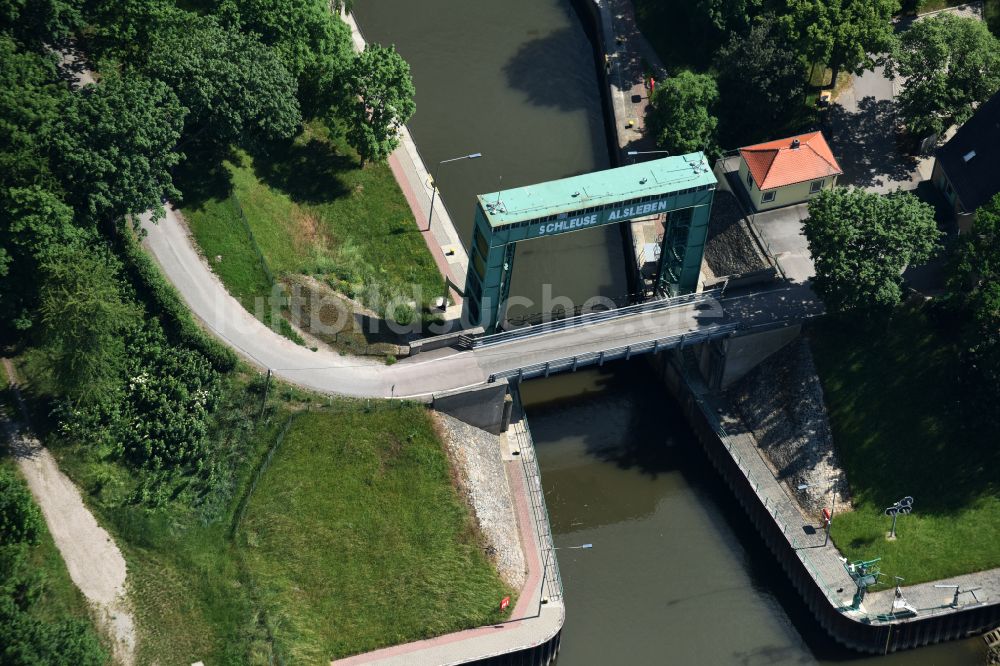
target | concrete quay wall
[{"x": 856, "y": 634}]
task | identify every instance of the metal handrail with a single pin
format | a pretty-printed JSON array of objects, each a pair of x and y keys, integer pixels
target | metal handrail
[
  {"x": 595, "y": 317},
  {"x": 598, "y": 356},
  {"x": 543, "y": 527}
]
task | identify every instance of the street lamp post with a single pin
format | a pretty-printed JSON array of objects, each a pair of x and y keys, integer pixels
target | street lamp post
[{"x": 430, "y": 216}]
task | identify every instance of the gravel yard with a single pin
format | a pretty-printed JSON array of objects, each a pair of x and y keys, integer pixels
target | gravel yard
[
  {"x": 729, "y": 249},
  {"x": 482, "y": 481},
  {"x": 781, "y": 402}
]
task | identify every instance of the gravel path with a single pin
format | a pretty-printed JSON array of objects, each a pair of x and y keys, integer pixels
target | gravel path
[
  {"x": 475, "y": 455},
  {"x": 781, "y": 402},
  {"x": 94, "y": 562}
]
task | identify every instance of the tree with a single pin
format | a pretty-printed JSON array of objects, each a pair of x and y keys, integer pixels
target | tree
[
  {"x": 32, "y": 97},
  {"x": 379, "y": 101},
  {"x": 762, "y": 83},
  {"x": 976, "y": 272},
  {"x": 680, "y": 114},
  {"x": 975, "y": 287},
  {"x": 85, "y": 316},
  {"x": 234, "y": 88},
  {"x": 844, "y": 34},
  {"x": 950, "y": 64},
  {"x": 33, "y": 223},
  {"x": 38, "y": 23},
  {"x": 312, "y": 42},
  {"x": 114, "y": 147},
  {"x": 861, "y": 242},
  {"x": 731, "y": 16}
]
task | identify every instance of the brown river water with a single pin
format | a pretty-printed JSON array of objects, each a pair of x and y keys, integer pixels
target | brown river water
[{"x": 676, "y": 573}]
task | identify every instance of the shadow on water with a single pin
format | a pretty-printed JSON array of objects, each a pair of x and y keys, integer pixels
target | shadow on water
[{"x": 539, "y": 69}]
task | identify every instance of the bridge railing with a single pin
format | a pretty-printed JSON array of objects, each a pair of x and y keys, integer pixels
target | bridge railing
[
  {"x": 590, "y": 358},
  {"x": 595, "y": 317}
]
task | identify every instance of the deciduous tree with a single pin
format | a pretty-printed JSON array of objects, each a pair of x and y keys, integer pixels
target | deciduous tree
[
  {"x": 680, "y": 116},
  {"x": 114, "y": 147},
  {"x": 761, "y": 82},
  {"x": 234, "y": 88},
  {"x": 40, "y": 23},
  {"x": 976, "y": 274},
  {"x": 85, "y": 316},
  {"x": 313, "y": 43},
  {"x": 949, "y": 64},
  {"x": 20, "y": 520},
  {"x": 861, "y": 242},
  {"x": 379, "y": 101},
  {"x": 844, "y": 34}
]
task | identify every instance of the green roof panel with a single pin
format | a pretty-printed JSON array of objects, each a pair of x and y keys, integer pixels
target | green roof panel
[{"x": 654, "y": 178}]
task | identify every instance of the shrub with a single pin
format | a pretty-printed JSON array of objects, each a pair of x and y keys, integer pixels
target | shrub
[{"x": 20, "y": 520}]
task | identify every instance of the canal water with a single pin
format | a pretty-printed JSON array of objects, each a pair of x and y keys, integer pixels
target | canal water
[
  {"x": 676, "y": 573},
  {"x": 515, "y": 81}
]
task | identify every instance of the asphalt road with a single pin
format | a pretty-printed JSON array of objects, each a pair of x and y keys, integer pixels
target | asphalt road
[{"x": 421, "y": 376}]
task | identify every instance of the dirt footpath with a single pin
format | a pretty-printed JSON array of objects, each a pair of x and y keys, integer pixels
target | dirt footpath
[{"x": 95, "y": 564}]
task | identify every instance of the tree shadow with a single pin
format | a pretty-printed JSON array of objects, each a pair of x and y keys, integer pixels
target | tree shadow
[
  {"x": 202, "y": 176},
  {"x": 867, "y": 145},
  {"x": 308, "y": 172}
]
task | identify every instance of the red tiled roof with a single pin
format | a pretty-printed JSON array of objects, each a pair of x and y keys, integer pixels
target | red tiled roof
[{"x": 776, "y": 163}]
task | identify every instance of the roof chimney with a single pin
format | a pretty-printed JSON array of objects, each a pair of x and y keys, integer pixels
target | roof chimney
[{"x": 795, "y": 144}]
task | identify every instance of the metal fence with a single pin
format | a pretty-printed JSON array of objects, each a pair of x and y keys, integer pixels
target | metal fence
[
  {"x": 597, "y": 317},
  {"x": 624, "y": 352},
  {"x": 253, "y": 239},
  {"x": 552, "y": 580}
]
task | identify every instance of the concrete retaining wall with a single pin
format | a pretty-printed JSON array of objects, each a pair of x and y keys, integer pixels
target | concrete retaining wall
[
  {"x": 486, "y": 407},
  {"x": 856, "y": 635},
  {"x": 442, "y": 341},
  {"x": 727, "y": 360}
]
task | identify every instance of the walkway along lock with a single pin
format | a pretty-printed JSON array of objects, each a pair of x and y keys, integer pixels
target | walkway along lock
[{"x": 680, "y": 187}]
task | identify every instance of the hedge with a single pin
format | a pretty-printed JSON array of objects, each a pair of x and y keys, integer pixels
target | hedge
[{"x": 164, "y": 300}]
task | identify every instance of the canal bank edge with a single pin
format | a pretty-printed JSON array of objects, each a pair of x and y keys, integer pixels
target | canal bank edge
[
  {"x": 814, "y": 569},
  {"x": 417, "y": 185}
]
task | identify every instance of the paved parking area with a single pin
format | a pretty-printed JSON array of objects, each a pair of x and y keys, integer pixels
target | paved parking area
[{"x": 781, "y": 230}]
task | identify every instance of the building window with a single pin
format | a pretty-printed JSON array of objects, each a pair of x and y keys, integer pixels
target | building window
[
  {"x": 749, "y": 179},
  {"x": 816, "y": 186},
  {"x": 767, "y": 197}
]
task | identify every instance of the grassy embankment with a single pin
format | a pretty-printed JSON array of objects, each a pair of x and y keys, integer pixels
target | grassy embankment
[
  {"x": 354, "y": 538},
  {"x": 893, "y": 399},
  {"x": 357, "y": 539},
  {"x": 313, "y": 212}
]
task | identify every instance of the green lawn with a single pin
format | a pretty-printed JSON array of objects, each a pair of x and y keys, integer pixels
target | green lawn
[
  {"x": 893, "y": 397},
  {"x": 355, "y": 536},
  {"x": 313, "y": 212},
  {"x": 357, "y": 539}
]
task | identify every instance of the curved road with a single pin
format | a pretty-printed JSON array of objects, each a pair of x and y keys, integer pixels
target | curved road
[{"x": 443, "y": 370}]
